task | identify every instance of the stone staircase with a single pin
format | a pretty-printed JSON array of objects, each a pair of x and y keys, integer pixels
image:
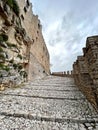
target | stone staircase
[{"x": 52, "y": 103}]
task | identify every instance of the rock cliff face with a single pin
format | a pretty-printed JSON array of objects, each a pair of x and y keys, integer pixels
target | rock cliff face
[
  {"x": 23, "y": 52},
  {"x": 85, "y": 70}
]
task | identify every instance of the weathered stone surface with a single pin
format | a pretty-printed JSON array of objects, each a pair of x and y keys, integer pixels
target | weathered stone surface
[
  {"x": 23, "y": 52},
  {"x": 85, "y": 70},
  {"x": 52, "y": 103},
  {"x": 33, "y": 27}
]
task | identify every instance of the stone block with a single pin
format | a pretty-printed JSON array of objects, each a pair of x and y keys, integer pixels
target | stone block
[{"x": 86, "y": 70}]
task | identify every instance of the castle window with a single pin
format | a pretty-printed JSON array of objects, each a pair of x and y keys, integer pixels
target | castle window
[
  {"x": 43, "y": 48},
  {"x": 43, "y": 71},
  {"x": 22, "y": 17},
  {"x": 25, "y": 10},
  {"x": 38, "y": 32},
  {"x": 5, "y": 7},
  {"x": 36, "y": 38},
  {"x": 13, "y": 19},
  {"x": 38, "y": 26},
  {"x": 33, "y": 40},
  {"x": 27, "y": 3}
]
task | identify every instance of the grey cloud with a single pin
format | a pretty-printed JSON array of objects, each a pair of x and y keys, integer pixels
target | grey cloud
[
  {"x": 72, "y": 34},
  {"x": 77, "y": 19}
]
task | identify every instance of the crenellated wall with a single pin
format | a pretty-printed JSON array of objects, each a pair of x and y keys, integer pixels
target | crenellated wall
[
  {"x": 85, "y": 70},
  {"x": 63, "y": 74}
]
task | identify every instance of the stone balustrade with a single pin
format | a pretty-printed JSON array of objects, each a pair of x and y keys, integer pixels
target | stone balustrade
[{"x": 85, "y": 70}]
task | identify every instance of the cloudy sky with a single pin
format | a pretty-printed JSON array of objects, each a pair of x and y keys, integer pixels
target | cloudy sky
[{"x": 66, "y": 25}]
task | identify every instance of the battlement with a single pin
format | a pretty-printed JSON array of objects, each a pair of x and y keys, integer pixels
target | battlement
[
  {"x": 63, "y": 74},
  {"x": 85, "y": 70}
]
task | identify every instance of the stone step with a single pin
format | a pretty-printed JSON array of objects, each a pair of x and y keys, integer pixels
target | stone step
[
  {"x": 48, "y": 118},
  {"x": 47, "y": 107},
  {"x": 52, "y": 103},
  {"x": 47, "y": 94},
  {"x": 15, "y": 123}
]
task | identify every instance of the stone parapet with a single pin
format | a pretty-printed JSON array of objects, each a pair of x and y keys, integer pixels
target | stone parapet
[
  {"x": 85, "y": 70},
  {"x": 63, "y": 74},
  {"x": 91, "y": 56}
]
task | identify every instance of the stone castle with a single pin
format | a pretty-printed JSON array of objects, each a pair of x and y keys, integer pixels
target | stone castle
[
  {"x": 23, "y": 52},
  {"x": 24, "y": 55}
]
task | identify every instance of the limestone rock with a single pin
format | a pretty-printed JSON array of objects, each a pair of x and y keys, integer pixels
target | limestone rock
[{"x": 2, "y": 88}]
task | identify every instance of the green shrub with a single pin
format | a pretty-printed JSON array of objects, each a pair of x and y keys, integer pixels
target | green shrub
[
  {"x": 2, "y": 56},
  {"x": 8, "y": 44},
  {"x": 14, "y": 45},
  {"x": 4, "y": 67},
  {"x": 10, "y": 3},
  {"x": 1, "y": 50},
  {"x": 14, "y": 5},
  {"x": 11, "y": 45},
  {"x": 5, "y": 37},
  {"x": 1, "y": 38},
  {"x": 1, "y": 66}
]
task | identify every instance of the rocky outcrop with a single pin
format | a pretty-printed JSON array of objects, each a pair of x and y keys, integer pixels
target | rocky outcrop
[
  {"x": 85, "y": 70},
  {"x": 23, "y": 53}
]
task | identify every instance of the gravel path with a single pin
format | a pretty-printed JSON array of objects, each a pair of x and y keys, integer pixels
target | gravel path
[{"x": 52, "y": 103}]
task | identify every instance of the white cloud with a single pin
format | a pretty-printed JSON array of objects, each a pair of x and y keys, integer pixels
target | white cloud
[{"x": 66, "y": 25}]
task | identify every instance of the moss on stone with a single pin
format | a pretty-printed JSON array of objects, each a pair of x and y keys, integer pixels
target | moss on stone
[
  {"x": 2, "y": 56},
  {"x": 1, "y": 50},
  {"x": 10, "y": 3},
  {"x": 1, "y": 66},
  {"x": 10, "y": 45},
  {"x": 4, "y": 67},
  {"x": 1, "y": 38}
]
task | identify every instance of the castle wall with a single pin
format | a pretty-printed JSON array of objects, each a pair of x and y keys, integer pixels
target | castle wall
[
  {"x": 85, "y": 70},
  {"x": 33, "y": 27},
  {"x": 23, "y": 55}
]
